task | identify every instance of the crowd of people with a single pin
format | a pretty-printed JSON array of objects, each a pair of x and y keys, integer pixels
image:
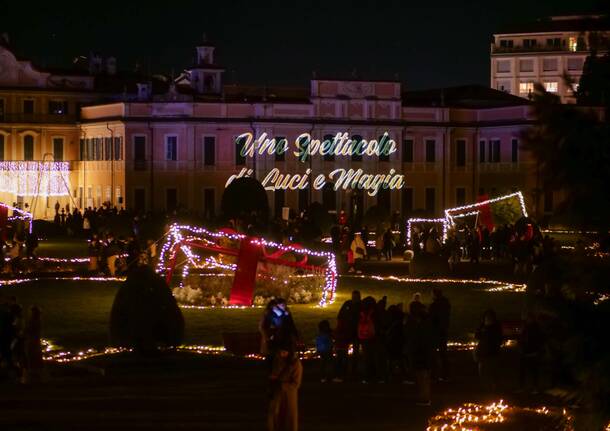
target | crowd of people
[
  {"x": 387, "y": 342},
  {"x": 521, "y": 243},
  {"x": 20, "y": 342}
]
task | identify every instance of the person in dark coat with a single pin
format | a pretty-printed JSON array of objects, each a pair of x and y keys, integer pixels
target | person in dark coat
[
  {"x": 350, "y": 312},
  {"x": 439, "y": 311},
  {"x": 531, "y": 345},
  {"x": 487, "y": 352},
  {"x": 420, "y": 350}
]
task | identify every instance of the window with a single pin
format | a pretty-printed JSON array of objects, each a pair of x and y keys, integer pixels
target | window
[
  {"x": 503, "y": 86},
  {"x": 1, "y": 147},
  {"x": 553, "y": 43},
  {"x": 139, "y": 153},
  {"x": 482, "y": 151},
  {"x": 1, "y": 109},
  {"x": 303, "y": 199},
  {"x": 118, "y": 148},
  {"x": 384, "y": 199},
  {"x": 430, "y": 200},
  {"x": 278, "y": 202},
  {"x": 460, "y": 196},
  {"x": 281, "y": 146},
  {"x": 494, "y": 151},
  {"x": 551, "y": 87},
  {"x": 514, "y": 150},
  {"x": 171, "y": 199},
  {"x": 549, "y": 65},
  {"x": 529, "y": 43},
  {"x": 573, "y": 44},
  {"x": 526, "y": 87},
  {"x": 407, "y": 201},
  {"x": 526, "y": 65},
  {"x": 503, "y": 66},
  {"x": 209, "y": 150},
  {"x": 58, "y": 149},
  {"x": 139, "y": 199},
  {"x": 575, "y": 63},
  {"x": 98, "y": 148},
  {"x": 107, "y": 148},
  {"x": 383, "y": 148},
  {"x": 329, "y": 157},
  {"x": 355, "y": 141},
  {"x": 209, "y": 201},
  {"x": 58, "y": 107},
  {"x": 28, "y": 106},
  {"x": 171, "y": 148},
  {"x": 506, "y": 43},
  {"x": 240, "y": 159},
  {"x": 90, "y": 149},
  {"x": 460, "y": 153},
  {"x": 430, "y": 151},
  {"x": 407, "y": 151},
  {"x": 329, "y": 197},
  {"x": 28, "y": 147}
]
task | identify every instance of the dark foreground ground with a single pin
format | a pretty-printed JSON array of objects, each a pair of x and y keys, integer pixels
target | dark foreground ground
[{"x": 189, "y": 392}]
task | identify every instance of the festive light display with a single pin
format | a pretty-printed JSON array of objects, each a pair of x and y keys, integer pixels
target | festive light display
[
  {"x": 411, "y": 221},
  {"x": 183, "y": 238},
  {"x": 35, "y": 178},
  {"x": 19, "y": 214},
  {"x": 451, "y": 213},
  {"x": 476, "y": 417},
  {"x": 12, "y": 281}
]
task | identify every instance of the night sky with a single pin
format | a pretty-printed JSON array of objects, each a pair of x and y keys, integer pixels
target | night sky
[{"x": 438, "y": 44}]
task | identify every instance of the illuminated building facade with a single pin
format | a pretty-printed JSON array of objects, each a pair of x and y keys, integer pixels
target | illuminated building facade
[
  {"x": 158, "y": 145},
  {"x": 543, "y": 52}
]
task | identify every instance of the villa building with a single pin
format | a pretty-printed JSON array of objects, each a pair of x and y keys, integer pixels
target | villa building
[
  {"x": 98, "y": 136},
  {"x": 545, "y": 52}
]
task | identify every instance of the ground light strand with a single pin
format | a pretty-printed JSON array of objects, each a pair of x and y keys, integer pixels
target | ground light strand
[
  {"x": 53, "y": 353},
  {"x": 494, "y": 285},
  {"x": 477, "y": 417}
]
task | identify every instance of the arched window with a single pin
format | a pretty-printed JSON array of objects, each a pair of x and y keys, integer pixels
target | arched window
[
  {"x": 28, "y": 147},
  {"x": 329, "y": 157},
  {"x": 383, "y": 157}
]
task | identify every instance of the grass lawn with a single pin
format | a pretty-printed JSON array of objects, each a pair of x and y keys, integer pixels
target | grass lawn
[
  {"x": 66, "y": 248},
  {"x": 75, "y": 313}
]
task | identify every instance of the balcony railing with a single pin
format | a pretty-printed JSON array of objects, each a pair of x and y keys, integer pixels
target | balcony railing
[
  {"x": 37, "y": 118},
  {"x": 538, "y": 48}
]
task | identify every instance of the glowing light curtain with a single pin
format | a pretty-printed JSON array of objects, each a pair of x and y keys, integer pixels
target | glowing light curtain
[{"x": 35, "y": 178}]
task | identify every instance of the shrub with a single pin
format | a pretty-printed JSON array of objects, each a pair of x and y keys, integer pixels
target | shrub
[{"x": 145, "y": 315}]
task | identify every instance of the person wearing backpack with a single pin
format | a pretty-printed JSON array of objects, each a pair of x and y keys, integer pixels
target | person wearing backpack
[{"x": 366, "y": 336}]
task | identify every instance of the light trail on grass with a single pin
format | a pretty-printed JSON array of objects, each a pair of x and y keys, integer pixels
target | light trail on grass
[
  {"x": 494, "y": 285},
  {"x": 53, "y": 353}
]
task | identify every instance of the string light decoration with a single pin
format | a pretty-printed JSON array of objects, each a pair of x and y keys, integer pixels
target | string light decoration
[
  {"x": 179, "y": 236},
  {"x": 19, "y": 214},
  {"x": 451, "y": 213},
  {"x": 35, "y": 178},
  {"x": 491, "y": 285},
  {"x": 477, "y": 417},
  {"x": 440, "y": 221}
]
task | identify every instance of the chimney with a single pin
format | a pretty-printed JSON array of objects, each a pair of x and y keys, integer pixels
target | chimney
[{"x": 144, "y": 90}]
